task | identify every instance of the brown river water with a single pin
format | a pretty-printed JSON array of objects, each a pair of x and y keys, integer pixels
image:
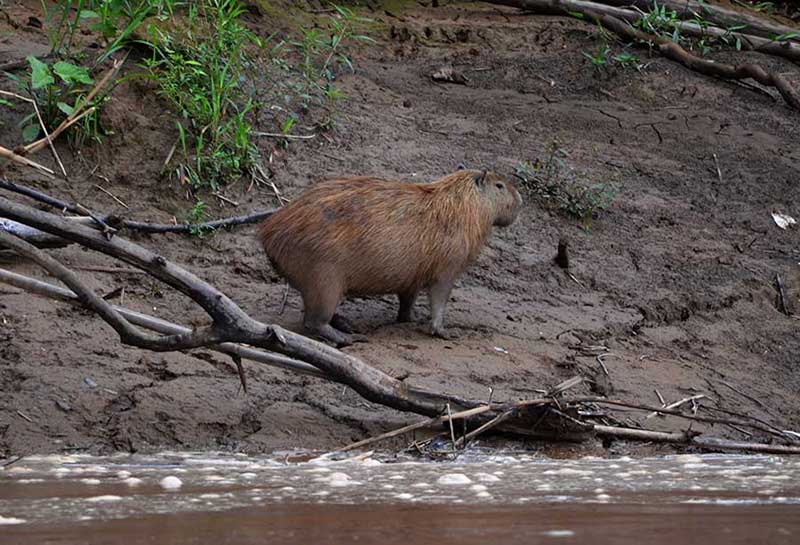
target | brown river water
[{"x": 514, "y": 498}]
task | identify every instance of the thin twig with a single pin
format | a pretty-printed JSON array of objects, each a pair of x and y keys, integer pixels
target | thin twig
[
  {"x": 287, "y": 136},
  {"x": 676, "y": 405},
  {"x": 8, "y": 154},
  {"x": 716, "y": 163},
  {"x": 411, "y": 427},
  {"x": 107, "y": 192},
  {"x": 42, "y": 125},
  {"x": 452, "y": 430}
]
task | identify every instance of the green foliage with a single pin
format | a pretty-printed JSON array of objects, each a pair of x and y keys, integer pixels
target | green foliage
[
  {"x": 57, "y": 91},
  {"x": 307, "y": 66},
  {"x": 600, "y": 59},
  {"x": 115, "y": 20},
  {"x": 552, "y": 183},
  {"x": 201, "y": 72},
  {"x": 196, "y": 215}
]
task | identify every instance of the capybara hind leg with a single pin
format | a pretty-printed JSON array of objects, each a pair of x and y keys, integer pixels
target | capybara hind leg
[
  {"x": 406, "y": 312},
  {"x": 319, "y": 310},
  {"x": 439, "y": 294}
]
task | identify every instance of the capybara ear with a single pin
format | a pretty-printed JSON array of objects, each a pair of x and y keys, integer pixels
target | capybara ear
[{"x": 480, "y": 179}]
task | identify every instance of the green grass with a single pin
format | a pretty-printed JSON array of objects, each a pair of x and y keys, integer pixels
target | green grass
[
  {"x": 551, "y": 182},
  {"x": 201, "y": 70}
]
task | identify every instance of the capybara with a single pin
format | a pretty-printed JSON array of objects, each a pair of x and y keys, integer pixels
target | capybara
[{"x": 368, "y": 236}]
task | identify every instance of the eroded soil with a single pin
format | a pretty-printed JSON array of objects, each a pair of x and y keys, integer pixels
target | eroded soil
[{"x": 676, "y": 279}]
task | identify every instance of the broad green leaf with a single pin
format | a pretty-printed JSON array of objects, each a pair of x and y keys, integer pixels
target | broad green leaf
[
  {"x": 89, "y": 14},
  {"x": 66, "y": 108},
  {"x": 70, "y": 73},
  {"x": 30, "y": 132},
  {"x": 4, "y": 102},
  {"x": 40, "y": 74}
]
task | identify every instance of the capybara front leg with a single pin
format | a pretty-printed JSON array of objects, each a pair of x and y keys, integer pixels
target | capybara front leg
[
  {"x": 406, "y": 312},
  {"x": 439, "y": 294}
]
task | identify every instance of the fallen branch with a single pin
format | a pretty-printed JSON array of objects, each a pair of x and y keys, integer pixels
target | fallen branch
[
  {"x": 690, "y": 439},
  {"x": 130, "y": 225},
  {"x": 159, "y": 325},
  {"x": 616, "y": 21},
  {"x": 24, "y": 161},
  {"x": 719, "y": 16},
  {"x": 675, "y": 405}
]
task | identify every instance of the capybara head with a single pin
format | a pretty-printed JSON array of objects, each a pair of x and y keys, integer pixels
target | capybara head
[{"x": 503, "y": 196}]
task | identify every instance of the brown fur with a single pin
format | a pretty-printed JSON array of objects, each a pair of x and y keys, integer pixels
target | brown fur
[{"x": 366, "y": 236}]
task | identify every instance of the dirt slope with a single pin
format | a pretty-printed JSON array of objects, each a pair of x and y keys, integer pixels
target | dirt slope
[{"x": 676, "y": 279}]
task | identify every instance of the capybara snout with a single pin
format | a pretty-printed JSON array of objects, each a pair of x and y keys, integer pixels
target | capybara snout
[{"x": 368, "y": 236}]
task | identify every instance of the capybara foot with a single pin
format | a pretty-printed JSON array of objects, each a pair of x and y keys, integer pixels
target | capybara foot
[
  {"x": 342, "y": 324},
  {"x": 405, "y": 316},
  {"x": 440, "y": 332},
  {"x": 330, "y": 334}
]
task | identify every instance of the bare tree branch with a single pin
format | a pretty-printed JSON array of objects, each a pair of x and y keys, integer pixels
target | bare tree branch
[{"x": 131, "y": 225}]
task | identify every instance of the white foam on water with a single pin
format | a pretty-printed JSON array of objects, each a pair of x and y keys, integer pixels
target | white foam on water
[
  {"x": 483, "y": 494},
  {"x": 29, "y": 481},
  {"x": 558, "y": 533},
  {"x": 341, "y": 479},
  {"x": 248, "y": 476},
  {"x": 123, "y": 474},
  {"x": 19, "y": 469},
  {"x": 397, "y": 477},
  {"x": 171, "y": 482},
  {"x": 387, "y": 486},
  {"x": 133, "y": 481},
  {"x": 210, "y": 496},
  {"x": 215, "y": 478},
  {"x": 404, "y": 496},
  {"x": 567, "y": 471},
  {"x": 478, "y": 487},
  {"x": 486, "y": 478},
  {"x": 453, "y": 479},
  {"x": 90, "y": 481},
  {"x": 11, "y": 520},
  {"x": 104, "y": 499}
]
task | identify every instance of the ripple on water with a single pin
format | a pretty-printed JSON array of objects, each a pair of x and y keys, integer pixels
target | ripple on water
[{"x": 11, "y": 520}]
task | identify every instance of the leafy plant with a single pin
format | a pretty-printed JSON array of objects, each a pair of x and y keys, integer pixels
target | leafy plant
[
  {"x": 551, "y": 182},
  {"x": 600, "y": 59},
  {"x": 57, "y": 90},
  {"x": 197, "y": 215}
]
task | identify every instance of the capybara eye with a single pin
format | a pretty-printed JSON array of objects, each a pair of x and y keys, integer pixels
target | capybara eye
[{"x": 498, "y": 185}]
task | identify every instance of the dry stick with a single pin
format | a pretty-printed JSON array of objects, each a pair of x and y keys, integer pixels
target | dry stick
[
  {"x": 411, "y": 427},
  {"x": 676, "y": 404},
  {"x": 8, "y": 154},
  {"x": 107, "y": 192},
  {"x": 683, "y": 438},
  {"x": 747, "y": 396},
  {"x": 499, "y": 419},
  {"x": 287, "y": 136},
  {"x": 138, "y": 226},
  {"x": 711, "y": 420},
  {"x": 782, "y": 295},
  {"x": 110, "y": 270},
  {"x": 42, "y": 125},
  {"x": 161, "y": 326},
  {"x": 716, "y": 163}
]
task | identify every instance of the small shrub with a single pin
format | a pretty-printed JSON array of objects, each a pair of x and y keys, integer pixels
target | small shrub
[
  {"x": 553, "y": 184},
  {"x": 58, "y": 89}
]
